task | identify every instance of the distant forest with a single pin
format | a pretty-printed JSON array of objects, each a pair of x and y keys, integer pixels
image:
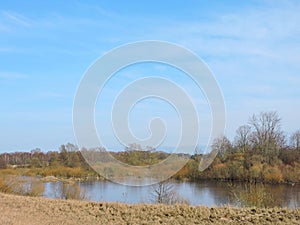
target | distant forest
[{"x": 260, "y": 152}]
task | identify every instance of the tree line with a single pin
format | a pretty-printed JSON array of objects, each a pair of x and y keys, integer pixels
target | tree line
[{"x": 259, "y": 152}]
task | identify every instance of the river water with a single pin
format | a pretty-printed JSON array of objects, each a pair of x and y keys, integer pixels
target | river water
[{"x": 206, "y": 193}]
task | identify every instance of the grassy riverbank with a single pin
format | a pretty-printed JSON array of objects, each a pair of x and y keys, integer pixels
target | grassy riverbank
[{"x": 37, "y": 210}]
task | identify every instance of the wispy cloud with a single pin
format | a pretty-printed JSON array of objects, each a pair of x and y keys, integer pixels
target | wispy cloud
[
  {"x": 98, "y": 9},
  {"x": 260, "y": 32},
  {"x": 57, "y": 95},
  {"x": 253, "y": 50},
  {"x": 16, "y": 18},
  {"x": 12, "y": 75}
]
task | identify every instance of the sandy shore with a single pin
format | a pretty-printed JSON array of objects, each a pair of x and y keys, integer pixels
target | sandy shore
[{"x": 36, "y": 210}]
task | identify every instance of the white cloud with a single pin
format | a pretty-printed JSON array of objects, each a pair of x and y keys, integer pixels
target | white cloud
[
  {"x": 255, "y": 33},
  {"x": 16, "y": 18},
  {"x": 11, "y": 75},
  {"x": 58, "y": 95}
]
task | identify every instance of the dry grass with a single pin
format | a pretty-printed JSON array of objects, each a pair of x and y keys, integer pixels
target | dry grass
[
  {"x": 21, "y": 186},
  {"x": 254, "y": 195},
  {"x": 37, "y": 210}
]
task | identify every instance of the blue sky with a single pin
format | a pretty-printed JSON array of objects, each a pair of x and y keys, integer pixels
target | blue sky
[{"x": 252, "y": 47}]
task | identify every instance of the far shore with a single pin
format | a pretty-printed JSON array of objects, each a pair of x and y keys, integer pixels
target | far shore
[{"x": 96, "y": 177}]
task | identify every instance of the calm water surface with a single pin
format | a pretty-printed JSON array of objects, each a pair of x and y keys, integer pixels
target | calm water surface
[{"x": 205, "y": 193}]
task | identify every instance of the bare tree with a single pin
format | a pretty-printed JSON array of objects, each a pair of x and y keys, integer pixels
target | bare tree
[
  {"x": 242, "y": 138},
  {"x": 164, "y": 193},
  {"x": 295, "y": 140},
  {"x": 267, "y": 137},
  {"x": 223, "y": 146},
  {"x": 70, "y": 191},
  {"x": 133, "y": 147},
  {"x": 71, "y": 147}
]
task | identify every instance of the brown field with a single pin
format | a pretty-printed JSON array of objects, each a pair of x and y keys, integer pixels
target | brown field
[{"x": 37, "y": 210}]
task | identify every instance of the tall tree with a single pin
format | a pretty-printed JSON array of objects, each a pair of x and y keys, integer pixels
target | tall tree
[
  {"x": 223, "y": 146},
  {"x": 242, "y": 138},
  {"x": 267, "y": 137},
  {"x": 63, "y": 155},
  {"x": 295, "y": 140}
]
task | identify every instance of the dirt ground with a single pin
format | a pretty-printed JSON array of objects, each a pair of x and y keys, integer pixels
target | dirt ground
[{"x": 36, "y": 210}]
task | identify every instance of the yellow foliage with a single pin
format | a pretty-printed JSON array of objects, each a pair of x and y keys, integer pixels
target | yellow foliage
[{"x": 272, "y": 174}]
